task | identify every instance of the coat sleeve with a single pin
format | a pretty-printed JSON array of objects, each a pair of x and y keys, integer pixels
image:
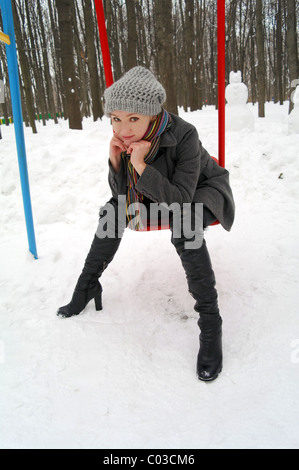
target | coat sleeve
[{"x": 181, "y": 188}]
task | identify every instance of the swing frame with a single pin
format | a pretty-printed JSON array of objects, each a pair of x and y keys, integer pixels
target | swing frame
[{"x": 220, "y": 72}]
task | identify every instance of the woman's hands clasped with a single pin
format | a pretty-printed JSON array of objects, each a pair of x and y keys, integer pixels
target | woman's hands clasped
[{"x": 137, "y": 151}]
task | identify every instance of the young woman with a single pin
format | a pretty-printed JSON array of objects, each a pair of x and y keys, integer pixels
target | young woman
[{"x": 157, "y": 158}]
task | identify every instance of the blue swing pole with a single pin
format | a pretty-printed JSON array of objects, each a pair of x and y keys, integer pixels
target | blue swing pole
[{"x": 13, "y": 73}]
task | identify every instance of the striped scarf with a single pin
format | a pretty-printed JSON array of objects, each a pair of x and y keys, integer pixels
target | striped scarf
[{"x": 153, "y": 134}]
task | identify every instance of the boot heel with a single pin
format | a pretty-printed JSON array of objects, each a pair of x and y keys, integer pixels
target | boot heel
[{"x": 98, "y": 301}]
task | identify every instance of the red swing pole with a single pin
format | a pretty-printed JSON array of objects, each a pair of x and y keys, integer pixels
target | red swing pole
[
  {"x": 104, "y": 41},
  {"x": 221, "y": 80}
]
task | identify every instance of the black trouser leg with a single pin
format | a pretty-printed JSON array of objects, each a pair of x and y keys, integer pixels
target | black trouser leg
[
  {"x": 200, "y": 277},
  {"x": 197, "y": 265},
  {"x": 201, "y": 283}
]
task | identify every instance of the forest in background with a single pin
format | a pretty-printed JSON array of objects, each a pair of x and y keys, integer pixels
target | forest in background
[{"x": 61, "y": 65}]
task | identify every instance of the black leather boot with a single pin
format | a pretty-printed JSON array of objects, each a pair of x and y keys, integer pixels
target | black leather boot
[
  {"x": 88, "y": 287},
  {"x": 209, "y": 359},
  {"x": 83, "y": 293}
]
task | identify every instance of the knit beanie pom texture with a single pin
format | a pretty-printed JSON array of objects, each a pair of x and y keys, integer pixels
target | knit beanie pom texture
[{"x": 138, "y": 91}]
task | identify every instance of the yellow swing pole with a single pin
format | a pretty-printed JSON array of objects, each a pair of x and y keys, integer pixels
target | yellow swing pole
[{"x": 5, "y": 38}]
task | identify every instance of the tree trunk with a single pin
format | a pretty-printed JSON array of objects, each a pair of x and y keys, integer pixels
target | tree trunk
[
  {"x": 200, "y": 21},
  {"x": 114, "y": 31},
  {"x": 213, "y": 58},
  {"x": 261, "y": 70},
  {"x": 142, "y": 46},
  {"x": 279, "y": 59},
  {"x": 189, "y": 34},
  {"x": 48, "y": 81},
  {"x": 81, "y": 63},
  {"x": 64, "y": 9},
  {"x": 59, "y": 97},
  {"x": 92, "y": 61},
  {"x": 25, "y": 69},
  {"x": 164, "y": 33},
  {"x": 36, "y": 70},
  {"x": 252, "y": 68},
  {"x": 132, "y": 34}
]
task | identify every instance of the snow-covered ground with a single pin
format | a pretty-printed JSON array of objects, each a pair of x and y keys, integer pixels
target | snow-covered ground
[{"x": 125, "y": 377}]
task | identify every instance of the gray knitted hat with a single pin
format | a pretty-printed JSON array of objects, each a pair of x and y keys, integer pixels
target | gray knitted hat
[{"x": 138, "y": 91}]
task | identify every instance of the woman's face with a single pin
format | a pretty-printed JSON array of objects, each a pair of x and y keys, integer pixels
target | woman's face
[{"x": 130, "y": 127}]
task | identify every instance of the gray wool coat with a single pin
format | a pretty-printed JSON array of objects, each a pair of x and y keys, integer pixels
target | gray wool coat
[{"x": 182, "y": 172}]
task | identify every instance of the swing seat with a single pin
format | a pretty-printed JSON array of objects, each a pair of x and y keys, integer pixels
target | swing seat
[{"x": 148, "y": 227}]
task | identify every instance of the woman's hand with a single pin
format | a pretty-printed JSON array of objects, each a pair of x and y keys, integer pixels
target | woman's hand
[
  {"x": 116, "y": 148},
  {"x": 138, "y": 152}
]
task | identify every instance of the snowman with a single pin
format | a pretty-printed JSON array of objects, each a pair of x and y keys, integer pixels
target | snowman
[
  {"x": 293, "y": 118},
  {"x": 238, "y": 115}
]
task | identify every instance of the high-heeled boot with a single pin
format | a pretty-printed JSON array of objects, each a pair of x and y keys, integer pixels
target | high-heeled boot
[
  {"x": 210, "y": 358},
  {"x": 84, "y": 292},
  {"x": 88, "y": 287}
]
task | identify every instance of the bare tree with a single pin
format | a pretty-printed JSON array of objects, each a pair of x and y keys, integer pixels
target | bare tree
[
  {"x": 165, "y": 50},
  {"x": 261, "y": 57},
  {"x": 114, "y": 29},
  {"x": 279, "y": 71},
  {"x": 47, "y": 75},
  {"x": 132, "y": 34},
  {"x": 24, "y": 68},
  {"x": 64, "y": 9},
  {"x": 92, "y": 60}
]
